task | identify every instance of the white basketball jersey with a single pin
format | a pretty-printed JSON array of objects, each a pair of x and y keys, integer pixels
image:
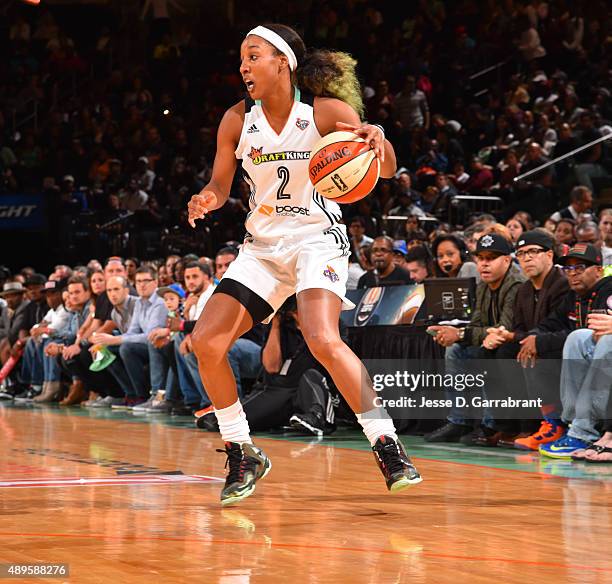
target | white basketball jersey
[{"x": 283, "y": 201}]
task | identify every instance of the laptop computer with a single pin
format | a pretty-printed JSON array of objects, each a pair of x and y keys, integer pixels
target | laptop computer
[{"x": 448, "y": 299}]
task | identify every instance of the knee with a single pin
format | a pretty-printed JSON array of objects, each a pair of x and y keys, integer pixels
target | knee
[
  {"x": 576, "y": 342},
  {"x": 323, "y": 344},
  {"x": 207, "y": 343},
  {"x": 455, "y": 351},
  {"x": 124, "y": 350}
]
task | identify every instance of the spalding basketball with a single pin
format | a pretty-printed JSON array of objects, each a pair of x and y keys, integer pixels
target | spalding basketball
[{"x": 343, "y": 167}]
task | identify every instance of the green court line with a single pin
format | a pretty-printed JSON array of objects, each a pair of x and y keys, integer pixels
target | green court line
[{"x": 494, "y": 458}]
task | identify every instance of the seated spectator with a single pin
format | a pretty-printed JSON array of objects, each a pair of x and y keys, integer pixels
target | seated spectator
[
  {"x": 544, "y": 291},
  {"x": 31, "y": 311},
  {"x": 516, "y": 229},
  {"x": 225, "y": 256},
  {"x": 356, "y": 230},
  {"x": 550, "y": 225},
  {"x": 129, "y": 369},
  {"x": 145, "y": 177},
  {"x": 13, "y": 331},
  {"x": 445, "y": 187},
  {"x": 581, "y": 201},
  {"x": 495, "y": 300},
  {"x": 399, "y": 253},
  {"x": 417, "y": 238},
  {"x": 589, "y": 162},
  {"x": 588, "y": 232},
  {"x": 534, "y": 157},
  {"x": 132, "y": 198},
  {"x": 54, "y": 320},
  {"x": 162, "y": 359},
  {"x": 459, "y": 177},
  {"x": 78, "y": 304},
  {"x": 385, "y": 272},
  {"x": 508, "y": 168},
  {"x": 434, "y": 202},
  {"x": 585, "y": 371},
  {"x": 419, "y": 264},
  {"x": 100, "y": 311},
  {"x": 481, "y": 178},
  {"x": 452, "y": 258},
  {"x": 405, "y": 197},
  {"x": 605, "y": 229},
  {"x": 565, "y": 233},
  {"x": 107, "y": 391}
]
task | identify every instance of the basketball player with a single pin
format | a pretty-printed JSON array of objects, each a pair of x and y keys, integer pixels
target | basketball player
[{"x": 294, "y": 243}]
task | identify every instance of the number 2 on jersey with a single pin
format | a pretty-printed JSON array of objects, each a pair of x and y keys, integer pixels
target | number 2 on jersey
[{"x": 283, "y": 174}]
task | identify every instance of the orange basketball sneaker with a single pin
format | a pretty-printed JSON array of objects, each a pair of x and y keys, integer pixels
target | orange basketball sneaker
[{"x": 549, "y": 431}]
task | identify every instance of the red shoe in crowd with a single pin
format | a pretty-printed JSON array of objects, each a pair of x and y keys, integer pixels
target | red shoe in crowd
[{"x": 549, "y": 431}]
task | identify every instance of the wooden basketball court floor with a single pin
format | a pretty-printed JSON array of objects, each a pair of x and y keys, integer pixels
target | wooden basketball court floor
[{"x": 124, "y": 498}]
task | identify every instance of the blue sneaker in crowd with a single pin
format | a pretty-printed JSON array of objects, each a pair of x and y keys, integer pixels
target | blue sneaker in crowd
[{"x": 563, "y": 448}]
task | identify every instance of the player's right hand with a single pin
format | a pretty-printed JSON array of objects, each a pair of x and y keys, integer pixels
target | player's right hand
[{"x": 200, "y": 205}]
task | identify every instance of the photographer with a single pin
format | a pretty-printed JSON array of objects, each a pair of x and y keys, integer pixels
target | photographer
[{"x": 295, "y": 389}]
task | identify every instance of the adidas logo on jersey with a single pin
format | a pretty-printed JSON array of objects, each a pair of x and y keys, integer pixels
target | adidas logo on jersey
[{"x": 252, "y": 129}]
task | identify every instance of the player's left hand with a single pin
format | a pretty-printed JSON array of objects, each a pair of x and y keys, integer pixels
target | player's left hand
[{"x": 373, "y": 135}]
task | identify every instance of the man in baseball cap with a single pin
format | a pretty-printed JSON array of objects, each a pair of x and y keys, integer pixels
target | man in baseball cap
[
  {"x": 536, "y": 299},
  {"x": 495, "y": 296},
  {"x": 585, "y": 379},
  {"x": 585, "y": 253}
]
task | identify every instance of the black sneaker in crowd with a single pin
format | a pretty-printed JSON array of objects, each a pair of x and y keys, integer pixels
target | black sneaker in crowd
[
  {"x": 207, "y": 421},
  {"x": 247, "y": 464},
  {"x": 182, "y": 410},
  {"x": 309, "y": 422},
  {"x": 448, "y": 433},
  {"x": 395, "y": 465},
  {"x": 27, "y": 395},
  {"x": 8, "y": 392},
  {"x": 482, "y": 433}
]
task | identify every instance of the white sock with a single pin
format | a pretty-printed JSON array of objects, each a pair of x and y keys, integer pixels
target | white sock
[
  {"x": 376, "y": 423},
  {"x": 233, "y": 424}
]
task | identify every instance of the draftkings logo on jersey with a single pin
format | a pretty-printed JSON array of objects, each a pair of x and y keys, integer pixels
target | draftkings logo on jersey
[
  {"x": 302, "y": 124},
  {"x": 255, "y": 153},
  {"x": 258, "y": 157},
  {"x": 331, "y": 274}
]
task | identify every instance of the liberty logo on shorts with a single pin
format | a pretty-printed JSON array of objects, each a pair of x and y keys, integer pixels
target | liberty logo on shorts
[
  {"x": 331, "y": 274},
  {"x": 302, "y": 124}
]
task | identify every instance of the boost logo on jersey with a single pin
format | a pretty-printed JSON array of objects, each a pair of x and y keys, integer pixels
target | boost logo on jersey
[{"x": 283, "y": 210}]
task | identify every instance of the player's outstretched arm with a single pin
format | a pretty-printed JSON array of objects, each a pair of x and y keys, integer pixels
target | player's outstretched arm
[
  {"x": 217, "y": 191},
  {"x": 333, "y": 114}
]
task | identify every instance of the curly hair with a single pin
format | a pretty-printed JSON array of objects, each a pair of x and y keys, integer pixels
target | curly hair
[
  {"x": 321, "y": 72},
  {"x": 332, "y": 74}
]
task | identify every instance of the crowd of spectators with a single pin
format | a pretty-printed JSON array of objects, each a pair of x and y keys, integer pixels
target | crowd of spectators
[
  {"x": 471, "y": 94},
  {"x": 127, "y": 103}
]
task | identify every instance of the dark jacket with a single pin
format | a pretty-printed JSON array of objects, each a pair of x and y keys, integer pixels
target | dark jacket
[
  {"x": 553, "y": 330},
  {"x": 504, "y": 298},
  {"x": 13, "y": 322},
  {"x": 528, "y": 312},
  {"x": 34, "y": 313}
]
